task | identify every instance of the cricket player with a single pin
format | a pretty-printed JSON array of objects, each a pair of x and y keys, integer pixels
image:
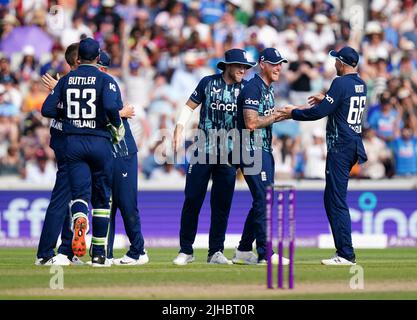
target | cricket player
[
  {"x": 57, "y": 217},
  {"x": 256, "y": 114},
  {"x": 217, "y": 95},
  {"x": 125, "y": 189},
  {"x": 344, "y": 105},
  {"x": 89, "y": 100}
]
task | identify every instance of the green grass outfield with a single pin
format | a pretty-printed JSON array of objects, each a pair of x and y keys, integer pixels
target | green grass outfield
[{"x": 388, "y": 274}]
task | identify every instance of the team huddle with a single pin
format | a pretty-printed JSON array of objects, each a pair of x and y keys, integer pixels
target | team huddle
[{"x": 97, "y": 157}]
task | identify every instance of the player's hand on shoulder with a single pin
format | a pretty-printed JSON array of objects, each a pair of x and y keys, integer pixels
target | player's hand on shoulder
[
  {"x": 316, "y": 99},
  {"x": 128, "y": 111},
  {"x": 49, "y": 82}
]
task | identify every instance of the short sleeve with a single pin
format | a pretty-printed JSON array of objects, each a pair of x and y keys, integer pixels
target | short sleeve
[
  {"x": 251, "y": 97},
  {"x": 198, "y": 94}
]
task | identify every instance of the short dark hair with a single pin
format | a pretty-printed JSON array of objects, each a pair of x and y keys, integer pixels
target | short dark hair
[{"x": 71, "y": 54}]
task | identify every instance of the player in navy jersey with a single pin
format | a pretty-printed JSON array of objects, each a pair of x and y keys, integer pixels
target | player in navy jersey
[
  {"x": 256, "y": 114},
  {"x": 344, "y": 105},
  {"x": 218, "y": 116},
  {"x": 57, "y": 218},
  {"x": 87, "y": 100},
  {"x": 125, "y": 188}
]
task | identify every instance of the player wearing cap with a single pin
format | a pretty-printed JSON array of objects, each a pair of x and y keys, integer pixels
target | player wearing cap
[
  {"x": 217, "y": 95},
  {"x": 125, "y": 188},
  {"x": 344, "y": 105},
  {"x": 87, "y": 101},
  {"x": 256, "y": 114}
]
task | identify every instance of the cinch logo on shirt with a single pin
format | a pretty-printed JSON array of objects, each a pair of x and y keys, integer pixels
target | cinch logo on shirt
[
  {"x": 268, "y": 112},
  {"x": 329, "y": 98},
  {"x": 230, "y": 107},
  {"x": 252, "y": 102}
]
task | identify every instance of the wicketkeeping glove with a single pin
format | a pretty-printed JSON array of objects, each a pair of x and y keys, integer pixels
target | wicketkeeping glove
[{"x": 117, "y": 134}]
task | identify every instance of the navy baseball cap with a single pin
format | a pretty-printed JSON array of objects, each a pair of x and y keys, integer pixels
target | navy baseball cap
[
  {"x": 347, "y": 55},
  {"x": 89, "y": 49},
  {"x": 272, "y": 56},
  {"x": 235, "y": 56},
  {"x": 104, "y": 60}
]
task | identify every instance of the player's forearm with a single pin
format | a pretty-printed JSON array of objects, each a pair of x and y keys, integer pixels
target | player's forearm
[
  {"x": 317, "y": 112},
  {"x": 49, "y": 108},
  {"x": 253, "y": 121}
]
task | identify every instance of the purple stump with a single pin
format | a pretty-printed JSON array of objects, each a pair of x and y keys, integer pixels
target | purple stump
[
  {"x": 280, "y": 209},
  {"x": 269, "y": 202},
  {"x": 291, "y": 231}
]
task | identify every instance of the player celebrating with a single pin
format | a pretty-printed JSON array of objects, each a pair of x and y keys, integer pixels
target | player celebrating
[
  {"x": 217, "y": 95},
  {"x": 89, "y": 101},
  {"x": 56, "y": 216},
  {"x": 344, "y": 103},
  {"x": 256, "y": 113},
  {"x": 125, "y": 188}
]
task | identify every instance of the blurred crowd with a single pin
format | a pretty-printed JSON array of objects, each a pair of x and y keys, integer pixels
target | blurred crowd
[{"x": 160, "y": 49}]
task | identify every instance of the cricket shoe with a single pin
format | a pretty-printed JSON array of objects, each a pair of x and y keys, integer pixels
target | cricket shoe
[
  {"x": 100, "y": 262},
  {"x": 218, "y": 258},
  {"x": 79, "y": 246},
  {"x": 109, "y": 261},
  {"x": 275, "y": 259},
  {"x": 42, "y": 261},
  {"x": 244, "y": 257},
  {"x": 59, "y": 260},
  {"x": 128, "y": 261},
  {"x": 182, "y": 259},
  {"x": 75, "y": 261},
  {"x": 338, "y": 261}
]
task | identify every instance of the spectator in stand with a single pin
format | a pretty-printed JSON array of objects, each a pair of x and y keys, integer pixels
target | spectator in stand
[
  {"x": 405, "y": 153},
  {"x": 171, "y": 19},
  {"x": 315, "y": 156},
  {"x": 40, "y": 169},
  {"x": 9, "y": 130},
  {"x": 7, "y": 25},
  {"x": 285, "y": 157},
  {"x": 35, "y": 97},
  {"x": 108, "y": 21},
  {"x": 321, "y": 38},
  {"x": 163, "y": 102},
  {"x": 29, "y": 65},
  {"x": 75, "y": 32},
  {"x": 385, "y": 120},
  {"x": 379, "y": 156},
  {"x": 193, "y": 24},
  {"x": 228, "y": 30},
  {"x": 56, "y": 64},
  {"x": 11, "y": 163},
  {"x": 200, "y": 31},
  {"x": 375, "y": 45},
  {"x": 267, "y": 35},
  {"x": 211, "y": 11},
  {"x": 299, "y": 75},
  {"x": 6, "y": 72}
]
